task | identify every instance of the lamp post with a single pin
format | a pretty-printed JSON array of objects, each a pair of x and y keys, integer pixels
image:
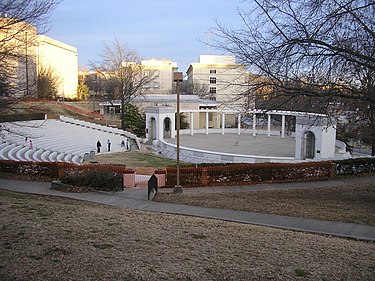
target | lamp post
[{"x": 178, "y": 77}]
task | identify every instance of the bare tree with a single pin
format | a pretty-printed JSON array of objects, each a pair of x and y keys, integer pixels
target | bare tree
[
  {"x": 47, "y": 82},
  {"x": 320, "y": 52},
  {"x": 196, "y": 88},
  {"x": 122, "y": 67}
]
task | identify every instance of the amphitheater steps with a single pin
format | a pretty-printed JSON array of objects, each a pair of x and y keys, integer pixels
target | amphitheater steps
[
  {"x": 21, "y": 153},
  {"x": 12, "y": 154},
  {"x": 29, "y": 154},
  {"x": 5, "y": 150}
]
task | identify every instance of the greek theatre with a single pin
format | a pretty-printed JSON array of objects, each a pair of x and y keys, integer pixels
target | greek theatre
[{"x": 223, "y": 136}]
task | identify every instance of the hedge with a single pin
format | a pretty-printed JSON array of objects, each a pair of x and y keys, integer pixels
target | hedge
[
  {"x": 241, "y": 174},
  {"x": 356, "y": 166},
  {"x": 52, "y": 170}
]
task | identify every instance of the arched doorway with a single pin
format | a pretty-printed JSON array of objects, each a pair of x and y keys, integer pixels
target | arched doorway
[
  {"x": 167, "y": 128},
  {"x": 309, "y": 145},
  {"x": 152, "y": 128}
]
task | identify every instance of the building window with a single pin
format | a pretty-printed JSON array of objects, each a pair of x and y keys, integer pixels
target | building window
[
  {"x": 212, "y": 80},
  {"x": 212, "y": 90},
  {"x": 212, "y": 71}
]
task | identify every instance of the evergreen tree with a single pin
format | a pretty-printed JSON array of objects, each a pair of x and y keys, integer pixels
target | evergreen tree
[{"x": 133, "y": 120}]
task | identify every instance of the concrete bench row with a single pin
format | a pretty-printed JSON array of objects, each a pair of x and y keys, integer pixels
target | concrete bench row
[
  {"x": 21, "y": 152},
  {"x": 55, "y": 140},
  {"x": 98, "y": 127}
]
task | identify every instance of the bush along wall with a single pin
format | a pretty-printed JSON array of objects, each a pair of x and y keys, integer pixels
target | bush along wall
[
  {"x": 47, "y": 171},
  {"x": 357, "y": 166},
  {"x": 41, "y": 171},
  {"x": 241, "y": 174},
  {"x": 94, "y": 179}
]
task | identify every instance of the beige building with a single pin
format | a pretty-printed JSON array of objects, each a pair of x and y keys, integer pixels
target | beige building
[
  {"x": 27, "y": 52},
  {"x": 222, "y": 79},
  {"x": 162, "y": 71}
]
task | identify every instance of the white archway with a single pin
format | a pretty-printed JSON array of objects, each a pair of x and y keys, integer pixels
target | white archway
[
  {"x": 167, "y": 128},
  {"x": 152, "y": 128},
  {"x": 155, "y": 122},
  {"x": 308, "y": 145}
]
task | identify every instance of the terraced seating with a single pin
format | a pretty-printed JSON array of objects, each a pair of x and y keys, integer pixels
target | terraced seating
[
  {"x": 98, "y": 127},
  {"x": 57, "y": 141}
]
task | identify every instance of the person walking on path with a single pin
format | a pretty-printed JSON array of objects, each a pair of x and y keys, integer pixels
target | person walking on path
[
  {"x": 98, "y": 146},
  {"x": 109, "y": 145}
]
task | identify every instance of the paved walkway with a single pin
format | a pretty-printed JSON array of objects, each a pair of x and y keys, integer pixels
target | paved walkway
[
  {"x": 137, "y": 199},
  {"x": 246, "y": 144}
]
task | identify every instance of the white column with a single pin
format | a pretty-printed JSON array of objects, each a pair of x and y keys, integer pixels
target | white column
[
  {"x": 254, "y": 123},
  {"x": 269, "y": 125},
  {"x": 191, "y": 123},
  {"x": 222, "y": 123},
  {"x": 282, "y": 126},
  {"x": 239, "y": 124},
  {"x": 160, "y": 127},
  {"x": 173, "y": 126},
  {"x": 207, "y": 123}
]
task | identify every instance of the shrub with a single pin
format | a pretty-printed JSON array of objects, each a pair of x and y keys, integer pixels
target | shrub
[
  {"x": 96, "y": 179},
  {"x": 357, "y": 166}
]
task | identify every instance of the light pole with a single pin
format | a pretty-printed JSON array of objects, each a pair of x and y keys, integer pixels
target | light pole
[{"x": 178, "y": 77}]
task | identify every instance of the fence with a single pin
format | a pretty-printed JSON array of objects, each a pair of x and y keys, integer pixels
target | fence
[{"x": 230, "y": 174}]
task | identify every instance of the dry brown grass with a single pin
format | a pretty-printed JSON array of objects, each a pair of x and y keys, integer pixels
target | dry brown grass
[
  {"x": 353, "y": 204},
  {"x": 45, "y": 238}
]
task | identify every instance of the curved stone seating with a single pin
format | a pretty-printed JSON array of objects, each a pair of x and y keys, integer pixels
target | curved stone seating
[
  {"x": 12, "y": 153},
  {"x": 29, "y": 153},
  {"x": 36, "y": 156},
  {"x": 4, "y": 151},
  {"x": 52, "y": 157},
  {"x": 98, "y": 127},
  {"x": 60, "y": 157},
  {"x": 57, "y": 141},
  {"x": 44, "y": 156},
  {"x": 68, "y": 157},
  {"x": 77, "y": 159},
  {"x": 21, "y": 153},
  {"x": 4, "y": 144}
]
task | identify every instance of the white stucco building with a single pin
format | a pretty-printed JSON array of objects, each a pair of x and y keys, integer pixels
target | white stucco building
[
  {"x": 63, "y": 60},
  {"x": 29, "y": 52}
]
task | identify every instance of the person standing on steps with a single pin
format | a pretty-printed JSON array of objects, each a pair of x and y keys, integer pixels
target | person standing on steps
[
  {"x": 98, "y": 146},
  {"x": 30, "y": 144},
  {"x": 109, "y": 145}
]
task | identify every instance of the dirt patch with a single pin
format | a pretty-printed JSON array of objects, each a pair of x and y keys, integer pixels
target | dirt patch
[{"x": 45, "y": 238}]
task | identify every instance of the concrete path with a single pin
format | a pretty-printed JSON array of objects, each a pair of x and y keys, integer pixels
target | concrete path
[{"x": 137, "y": 199}]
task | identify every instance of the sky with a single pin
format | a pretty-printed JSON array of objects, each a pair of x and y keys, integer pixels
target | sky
[{"x": 171, "y": 29}]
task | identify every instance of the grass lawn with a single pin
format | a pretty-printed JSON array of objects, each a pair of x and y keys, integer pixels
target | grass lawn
[
  {"x": 352, "y": 204},
  {"x": 45, "y": 238},
  {"x": 143, "y": 162}
]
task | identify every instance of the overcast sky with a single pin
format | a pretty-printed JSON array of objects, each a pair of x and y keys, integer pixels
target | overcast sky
[{"x": 171, "y": 29}]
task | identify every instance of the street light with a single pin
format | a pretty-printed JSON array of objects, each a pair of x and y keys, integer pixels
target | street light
[{"x": 178, "y": 77}]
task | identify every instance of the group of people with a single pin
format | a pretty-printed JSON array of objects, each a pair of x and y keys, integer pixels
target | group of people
[{"x": 99, "y": 145}]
